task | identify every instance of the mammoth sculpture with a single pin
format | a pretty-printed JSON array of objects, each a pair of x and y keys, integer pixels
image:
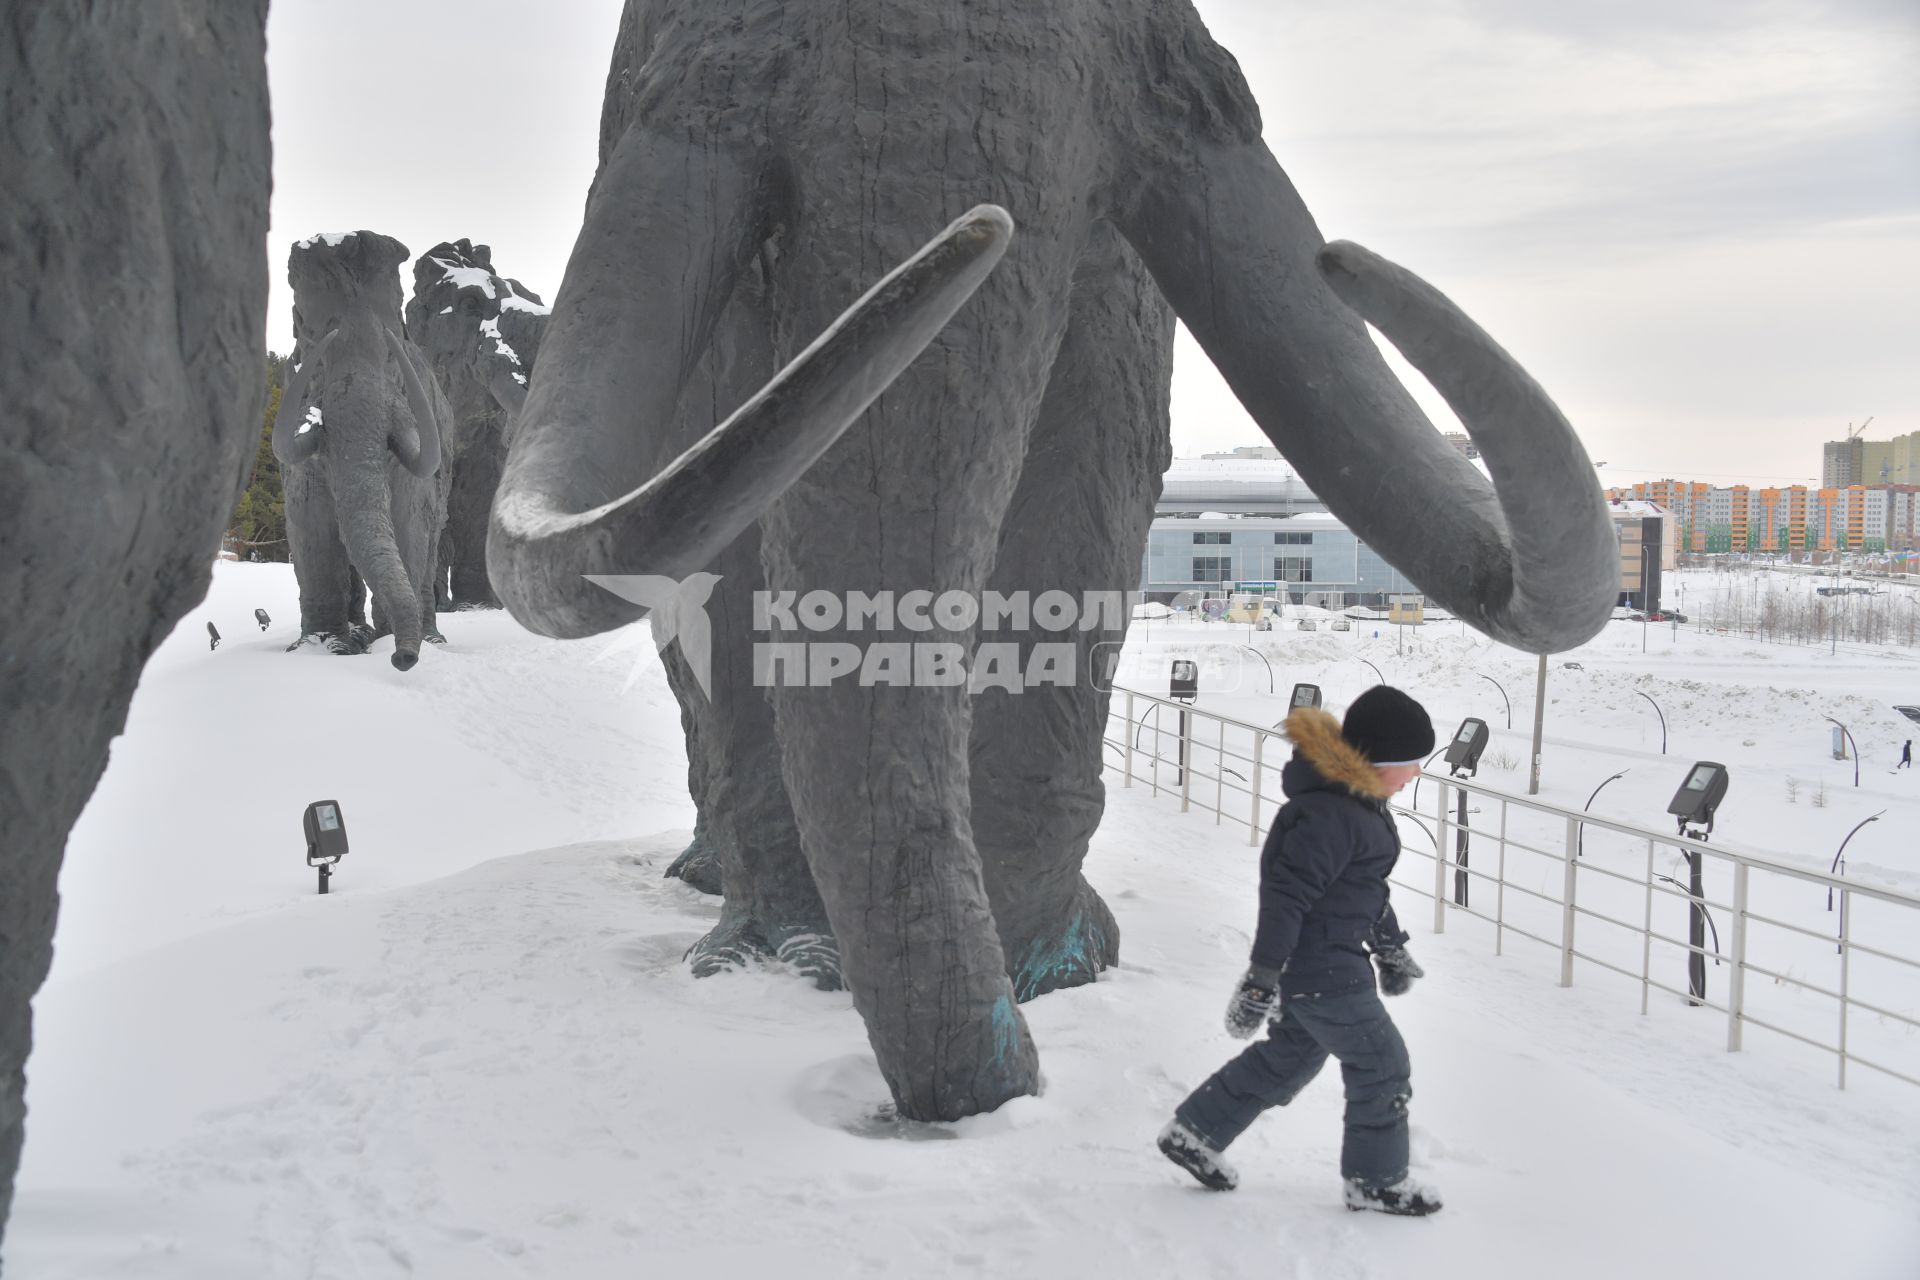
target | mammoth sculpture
[
  {"x": 133, "y": 223},
  {"x": 780, "y": 156},
  {"x": 480, "y": 334},
  {"x": 359, "y": 436}
]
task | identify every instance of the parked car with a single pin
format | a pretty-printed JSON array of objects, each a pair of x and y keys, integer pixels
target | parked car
[
  {"x": 1341, "y": 624},
  {"x": 1307, "y": 624},
  {"x": 1674, "y": 615}
]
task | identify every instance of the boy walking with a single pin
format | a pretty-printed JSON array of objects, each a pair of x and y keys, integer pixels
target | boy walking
[{"x": 1323, "y": 907}]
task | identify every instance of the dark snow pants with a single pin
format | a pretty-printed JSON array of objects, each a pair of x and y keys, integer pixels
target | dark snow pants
[{"x": 1355, "y": 1029}]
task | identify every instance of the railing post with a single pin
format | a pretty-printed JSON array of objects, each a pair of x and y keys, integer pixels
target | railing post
[
  {"x": 1846, "y": 955},
  {"x": 1253, "y": 821},
  {"x": 1129, "y": 736},
  {"x": 1500, "y": 887},
  {"x": 1737, "y": 981},
  {"x": 1646, "y": 938},
  {"x": 1440, "y": 862},
  {"x": 1220, "y": 774},
  {"x": 1571, "y": 856},
  {"x": 1186, "y": 759}
]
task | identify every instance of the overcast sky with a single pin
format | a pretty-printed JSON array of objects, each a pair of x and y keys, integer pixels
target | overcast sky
[{"x": 1696, "y": 222}]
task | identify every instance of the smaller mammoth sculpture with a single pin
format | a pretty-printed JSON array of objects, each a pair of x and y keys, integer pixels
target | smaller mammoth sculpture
[
  {"x": 480, "y": 334},
  {"x": 359, "y": 437}
]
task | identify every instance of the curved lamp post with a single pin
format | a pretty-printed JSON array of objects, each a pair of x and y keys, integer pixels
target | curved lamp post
[
  {"x": 1841, "y": 853},
  {"x": 1700, "y": 906},
  {"x": 1580, "y": 845},
  {"x": 1263, "y": 658},
  {"x": 1851, "y": 746},
  {"x": 1376, "y": 671},
  {"x": 1415, "y": 802},
  {"x": 1503, "y": 695},
  {"x": 1663, "y": 722}
]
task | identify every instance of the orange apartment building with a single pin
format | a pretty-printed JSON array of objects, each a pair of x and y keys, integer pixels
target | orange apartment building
[{"x": 1793, "y": 518}]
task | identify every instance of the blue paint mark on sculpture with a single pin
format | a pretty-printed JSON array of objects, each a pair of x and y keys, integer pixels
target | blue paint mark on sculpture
[
  {"x": 1047, "y": 967},
  {"x": 1006, "y": 1030}
]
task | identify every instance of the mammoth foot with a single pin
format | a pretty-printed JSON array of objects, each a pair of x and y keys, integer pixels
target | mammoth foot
[
  {"x": 699, "y": 866},
  {"x": 808, "y": 950},
  {"x": 342, "y": 643},
  {"x": 1065, "y": 954}
]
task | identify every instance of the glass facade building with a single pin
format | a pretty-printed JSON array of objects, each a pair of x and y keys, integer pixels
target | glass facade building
[{"x": 1310, "y": 558}]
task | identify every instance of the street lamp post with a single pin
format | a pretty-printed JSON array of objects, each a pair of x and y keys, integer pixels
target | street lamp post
[
  {"x": 1580, "y": 844},
  {"x": 1663, "y": 720},
  {"x": 1851, "y": 746},
  {"x": 1503, "y": 695},
  {"x": 1840, "y": 854},
  {"x": 1376, "y": 671},
  {"x": 1263, "y": 658}
]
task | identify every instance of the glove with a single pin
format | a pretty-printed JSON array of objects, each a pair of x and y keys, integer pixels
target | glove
[
  {"x": 1255, "y": 1001},
  {"x": 1397, "y": 970}
]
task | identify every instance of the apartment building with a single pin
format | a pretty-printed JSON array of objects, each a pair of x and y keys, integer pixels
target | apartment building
[{"x": 1794, "y": 518}]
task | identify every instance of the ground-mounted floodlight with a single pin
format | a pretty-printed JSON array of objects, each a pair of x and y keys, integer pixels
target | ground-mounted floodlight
[
  {"x": 1304, "y": 695},
  {"x": 326, "y": 837},
  {"x": 260, "y": 616},
  {"x": 1694, "y": 805},
  {"x": 1463, "y": 759},
  {"x": 213, "y": 637},
  {"x": 1469, "y": 741}
]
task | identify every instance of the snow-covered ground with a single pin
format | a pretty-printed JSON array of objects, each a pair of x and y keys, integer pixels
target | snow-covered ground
[{"x": 480, "y": 1056}]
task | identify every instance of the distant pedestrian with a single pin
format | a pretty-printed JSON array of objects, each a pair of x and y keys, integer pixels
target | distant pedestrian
[
  {"x": 1323, "y": 908},
  {"x": 1906, "y": 755}
]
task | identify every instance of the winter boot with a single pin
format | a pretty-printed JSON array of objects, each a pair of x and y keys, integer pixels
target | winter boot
[
  {"x": 1406, "y": 1197},
  {"x": 1186, "y": 1148}
]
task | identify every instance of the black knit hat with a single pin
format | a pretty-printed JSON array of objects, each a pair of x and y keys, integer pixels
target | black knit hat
[{"x": 1388, "y": 727}]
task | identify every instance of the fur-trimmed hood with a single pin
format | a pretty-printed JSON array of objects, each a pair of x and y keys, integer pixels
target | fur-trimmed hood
[{"x": 1316, "y": 735}]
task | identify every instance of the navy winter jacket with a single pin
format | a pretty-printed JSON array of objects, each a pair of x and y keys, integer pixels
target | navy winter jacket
[{"x": 1323, "y": 872}]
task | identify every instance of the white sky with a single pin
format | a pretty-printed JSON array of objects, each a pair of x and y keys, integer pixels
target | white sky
[{"x": 1696, "y": 222}]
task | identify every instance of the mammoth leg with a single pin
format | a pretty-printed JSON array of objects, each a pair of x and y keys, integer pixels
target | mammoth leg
[
  {"x": 475, "y": 477},
  {"x": 751, "y": 841},
  {"x": 1078, "y": 522},
  {"x": 329, "y": 587},
  {"x": 1530, "y": 559},
  {"x": 877, "y": 770},
  {"x": 133, "y": 224}
]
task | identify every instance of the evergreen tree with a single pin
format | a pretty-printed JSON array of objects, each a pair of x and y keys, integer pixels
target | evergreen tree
[{"x": 259, "y": 524}]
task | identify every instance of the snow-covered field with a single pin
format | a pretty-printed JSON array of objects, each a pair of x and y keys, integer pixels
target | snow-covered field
[{"x": 480, "y": 1056}]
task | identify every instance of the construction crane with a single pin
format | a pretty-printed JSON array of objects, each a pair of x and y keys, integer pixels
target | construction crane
[{"x": 1854, "y": 433}]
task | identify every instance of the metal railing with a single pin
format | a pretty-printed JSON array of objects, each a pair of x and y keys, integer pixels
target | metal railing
[{"x": 1592, "y": 889}]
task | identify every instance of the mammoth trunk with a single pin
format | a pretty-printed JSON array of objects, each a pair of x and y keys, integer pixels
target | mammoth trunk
[{"x": 366, "y": 525}]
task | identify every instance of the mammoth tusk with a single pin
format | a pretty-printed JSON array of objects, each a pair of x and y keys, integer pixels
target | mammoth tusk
[
  {"x": 1555, "y": 514},
  {"x": 419, "y": 449},
  {"x": 677, "y": 522},
  {"x": 296, "y": 444},
  {"x": 1531, "y": 559}
]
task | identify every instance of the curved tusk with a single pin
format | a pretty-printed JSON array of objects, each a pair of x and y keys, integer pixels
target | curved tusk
[
  {"x": 296, "y": 444},
  {"x": 1530, "y": 560},
  {"x": 418, "y": 450},
  {"x": 1558, "y": 531},
  {"x": 677, "y": 522}
]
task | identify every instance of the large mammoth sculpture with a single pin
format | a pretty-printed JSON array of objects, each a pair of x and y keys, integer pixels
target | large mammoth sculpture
[
  {"x": 481, "y": 335},
  {"x": 785, "y": 155},
  {"x": 359, "y": 441},
  {"x": 133, "y": 223}
]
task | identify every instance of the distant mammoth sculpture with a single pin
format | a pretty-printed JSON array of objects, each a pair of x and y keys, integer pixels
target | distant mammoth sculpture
[
  {"x": 133, "y": 224},
  {"x": 789, "y": 154},
  {"x": 481, "y": 335},
  {"x": 359, "y": 436}
]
